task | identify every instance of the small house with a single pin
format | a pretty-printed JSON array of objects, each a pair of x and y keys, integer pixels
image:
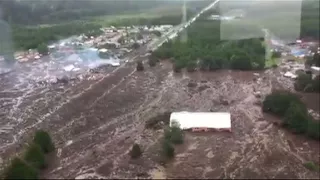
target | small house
[{"x": 202, "y": 121}]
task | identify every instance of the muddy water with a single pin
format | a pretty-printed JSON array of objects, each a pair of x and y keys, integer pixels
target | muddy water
[{"x": 95, "y": 123}]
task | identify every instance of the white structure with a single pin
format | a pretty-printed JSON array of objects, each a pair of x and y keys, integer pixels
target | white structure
[
  {"x": 290, "y": 75},
  {"x": 315, "y": 70},
  {"x": 103, "y": 50},
  {"x": 202, "y": 120}
]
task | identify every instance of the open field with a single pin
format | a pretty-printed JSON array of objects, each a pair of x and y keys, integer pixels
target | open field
[{"x": 95, "y": 123}]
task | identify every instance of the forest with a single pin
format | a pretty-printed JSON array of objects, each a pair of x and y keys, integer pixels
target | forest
[
  {"x": 204, "y": 49},
  {"x": 55, "y": 11},
  {"x": 31, "y": 37}
]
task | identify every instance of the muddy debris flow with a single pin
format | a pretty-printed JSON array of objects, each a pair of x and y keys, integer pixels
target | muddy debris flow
[{"x": 95, "y": 122}]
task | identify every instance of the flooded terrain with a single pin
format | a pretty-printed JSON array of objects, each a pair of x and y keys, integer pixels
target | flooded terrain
[{"x": 95, "y": 122}]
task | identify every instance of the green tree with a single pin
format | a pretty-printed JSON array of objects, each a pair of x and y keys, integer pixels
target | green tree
[
  {"x": 140, "y": 66},
  {"x": 302, "y": 81},
  {"x": 313, "y": 129},
  {"x": 43, "y": 139},
  {"x": 18, "y": 169},
  {"x": 42, "y": 49},
  {"x": 191, "y": 66},
  {"x": 174, "y": 134},
  {"x": 278, "y": 102},
  {"x": 35, "y": 156},
  {"x": 152, "y": 61},
  {"x": 296, "y": 119},
  {"x": 135, "y": 151},
  {"x": 167, "y": 149}
]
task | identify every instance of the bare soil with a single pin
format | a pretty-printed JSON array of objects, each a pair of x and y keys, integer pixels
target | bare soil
[{"x": 95, "y": 123}]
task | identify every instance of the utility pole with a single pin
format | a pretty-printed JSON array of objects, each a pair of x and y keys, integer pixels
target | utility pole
[{"x": 184, "y": 35}]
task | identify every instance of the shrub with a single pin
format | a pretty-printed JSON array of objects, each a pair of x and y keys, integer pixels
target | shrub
[
  {"x": 177, "y": 68},
  {"x": 278, "y": 102},
  {"x": 191, "y": 66},
  {"x": 174, "y": 134},
  {"x": 167, "y": 149},
  {"x": 152, "y": 62},
  {"x": 302, "y": 81},
  {"x": 314, "y": 129},
  {"x": 18, "y": 169},
  {"x": 140, "y": 66},
  {"x": 135, "y": 151},
  {"x": 276, "y": 54},
  {"x": 311, "y": 166},
  {"x": 42, "y": 49},
  {"x": 135, "y": 45},
  {"x": 296, "y": 118},
  {"x": 35, "y": 156},
  {"x": 156, "y": 121},
  {"x": 43, "y": 139}
]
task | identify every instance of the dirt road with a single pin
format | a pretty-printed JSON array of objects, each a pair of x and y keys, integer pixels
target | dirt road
[{"x": 95, "y": 123}]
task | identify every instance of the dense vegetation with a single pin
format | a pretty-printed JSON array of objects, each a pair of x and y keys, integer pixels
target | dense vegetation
[
  {"x": 310, "y": 19},
  {"x": 32, "y": 160},
  {"x": 43, "y": 139},
  {"x": 48, "y": 11},
  {"x": 204, "y": 49},
  {"x": 305, "y": 83},
  {"x": 136, "y": 151},
  {"x": 31, "y": 37},
  {"x": 293, "y": 112},
  {"x": 172, "y": 135}
]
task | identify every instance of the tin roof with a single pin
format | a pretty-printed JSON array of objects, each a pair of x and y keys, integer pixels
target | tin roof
[{"x": 187, "y": 120}]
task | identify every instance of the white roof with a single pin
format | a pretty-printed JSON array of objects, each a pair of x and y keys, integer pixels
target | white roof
[
  {"x": 103, "y": 50},
  {"x": 189, "y": 120},
  {"x": 315, "y": 68}
]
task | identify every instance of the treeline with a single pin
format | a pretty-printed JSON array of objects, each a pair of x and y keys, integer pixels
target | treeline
[
  {"x": 310, "y": 19},
  {"x": 305, "y": 82},
  {"x": 173, "y": 19},
  {"x": 294, "y": 113},
  {"x": 32, "y": 12},
  {"x": 31, "y": 37},
  {"x": 203, "y": 49},
  {"x": 32, "y": 160}
]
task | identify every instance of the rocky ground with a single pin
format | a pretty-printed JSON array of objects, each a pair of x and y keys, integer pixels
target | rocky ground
[{"x": 95, "y": 123}]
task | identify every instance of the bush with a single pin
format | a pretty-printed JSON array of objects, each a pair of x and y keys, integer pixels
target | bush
[
  {"x": 156, "y": 121},
  {"x": 135, "y": 45},
  {"x": 152, "y": 62},
  {"x": 176, "y": 68},
  {"x": 135, "y": 151},
  {"x": 191, "y": 66},
  {"x": 18, "y": 169},
  {"x": 311, "y": 166},
  {"x": 43, "y": 139},
  {"x": 35, "y": 156},
  {"x": 43, "y": 49},
  {"x": 313, "y": 129},
  {"x": 276, "y": 54},
  {"x": 167, "y": 149},
  {"x": 279, "y": 102},
  {"x": 296, "y": 118},
  {"x": 174, "y": 134},
  {"x": 302, "y": 81},
  {"x": 140, "y": 66}
]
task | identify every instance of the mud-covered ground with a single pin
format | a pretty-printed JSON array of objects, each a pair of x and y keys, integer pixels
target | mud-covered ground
[{"x": 95, "y": 123}]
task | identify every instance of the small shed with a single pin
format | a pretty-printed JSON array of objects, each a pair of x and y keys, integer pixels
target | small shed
[{"x": 202, "y": 121}]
